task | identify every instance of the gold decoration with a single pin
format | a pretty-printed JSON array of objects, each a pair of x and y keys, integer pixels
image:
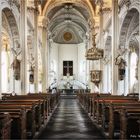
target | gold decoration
[
  {"x": 94, "y": 53},
  {"x": 96, "y": 76},
  {"x": 67, "y": 36}
]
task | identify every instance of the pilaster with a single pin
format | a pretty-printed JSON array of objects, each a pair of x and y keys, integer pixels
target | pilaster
[
  {"x": 23, "y": 44},
  {"x": 101, "y": 44},
  {"x": 43, "y": 26},
  {"x": 139, "y": 59},
  {"x": 0, "y": 47},
  {"x": 91, "y": 63},
  {"x": 36, "y": 72},
  {"x": 115, "y": 20}
]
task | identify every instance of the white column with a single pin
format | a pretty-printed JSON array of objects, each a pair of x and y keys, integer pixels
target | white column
[
  {"x": 0, "y": 47},
  {"x": 49, "y": 45},
  {"x": 36, "y": 72},
  {"x": 44, "y": 56},
  {"x": 101, "y": 46},
  {"x": 86, "y": 68},
  {"x": 91, "y": 63},
  {"x": 139, "y": 61},
  {"x": 115, "y": 18},
  {"x": 92, "y": 85},
  {"x": 127, "y": 75},
  {"x": 23, "y": 44},
  {"x": 87, "y": 64},
  {"x": 139, "y": 74}
]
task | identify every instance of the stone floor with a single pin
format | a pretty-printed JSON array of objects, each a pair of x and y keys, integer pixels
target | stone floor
[{"x": 69, "y": 121}]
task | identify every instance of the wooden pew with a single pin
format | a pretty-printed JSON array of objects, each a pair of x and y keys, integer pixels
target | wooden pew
[
  {"x": 53, "y": 99},
  {"x": 5, "y": 126},
  {"x": 94, "y": 103},
  {"x": 44, "y": 104},
  {"x": 107, "y": 109},
  {"x": 18, "y": 125},
  {"x": 133, "y": 95},
  {"x": 119, "y": 119},
  {"x": 130, "y": 123},
  {"x": 111, "y": 117},
  {"x": 46, "y": 97},
  {"x": 87, "y": 100},
  {"x": 42, "y": 100},
  {"x": 33, "y": 106},
  {"x": 28, "y": 103},
  {"x": 110, "y": 98}
]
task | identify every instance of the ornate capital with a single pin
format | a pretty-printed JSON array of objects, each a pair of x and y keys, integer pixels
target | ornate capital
[
  {"x": 33, "y": 9},
  {"x": 127, "y": 3},
  {"x": 106, "y": 9},
  {"x": 100, "y": 11},
  {"x": 14, "y": 2},
  {"x": 42, "y": 22}
]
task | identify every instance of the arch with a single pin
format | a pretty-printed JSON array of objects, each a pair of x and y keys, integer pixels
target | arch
[
  {"x": 12, "y": 23},
  {"x": 127, "y": 29},
  {"x": 68, "y": 16},
  {"x": 59, "y": 10},
  {"x": 13, "y": 8},
  {"x": 79, "y": 20},
  {"x": 10, "y": 28},
  {"x": 135, "y": 5},
  {"x": 127, "y": 39},
  {"x": 85, "y": 4}
]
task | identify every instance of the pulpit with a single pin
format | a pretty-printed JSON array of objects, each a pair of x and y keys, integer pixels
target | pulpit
[{"x": 96, "y": 76}]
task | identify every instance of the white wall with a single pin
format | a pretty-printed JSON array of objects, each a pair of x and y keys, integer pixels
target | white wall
[
  {"x": 67, "y": 52},
  {"x": 105, "y": 79},
  {"x": 54, "y": 60},
  {"x": 82, "y": 63}
]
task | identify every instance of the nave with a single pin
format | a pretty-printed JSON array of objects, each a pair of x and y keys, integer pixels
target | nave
[
  {"x": 52, "y": 47},
  {"x": 70, "y": 121}
]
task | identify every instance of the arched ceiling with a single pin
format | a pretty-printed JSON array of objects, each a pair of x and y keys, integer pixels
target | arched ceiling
[
  {"x": 71, "y": 16},
  {"x": 11, "y": 21},
  {"x": 68, "y": 19},
  {"x": 129, "y": 25}
]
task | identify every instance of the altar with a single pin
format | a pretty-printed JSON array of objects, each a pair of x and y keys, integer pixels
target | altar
[{"x": 68, "y": 91}]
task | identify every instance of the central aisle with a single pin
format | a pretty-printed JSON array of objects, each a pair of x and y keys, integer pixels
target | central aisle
[{"x": 69, "y": 121}]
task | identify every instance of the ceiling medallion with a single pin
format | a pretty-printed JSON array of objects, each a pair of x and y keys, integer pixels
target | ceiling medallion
[
  {"x": 67, "y": 36},
  {"x": 94, "y": 53}
]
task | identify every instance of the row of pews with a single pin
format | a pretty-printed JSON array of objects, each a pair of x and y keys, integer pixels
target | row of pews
[
  {"x": 25, "y": 116},
  {"x": 117, "y": 116}
]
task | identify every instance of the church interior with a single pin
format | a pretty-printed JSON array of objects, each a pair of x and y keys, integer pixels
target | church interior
[{"x": 69, "y": 69}]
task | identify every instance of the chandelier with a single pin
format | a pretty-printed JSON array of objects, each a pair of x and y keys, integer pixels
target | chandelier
[{"x": 94, "y": 53}]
